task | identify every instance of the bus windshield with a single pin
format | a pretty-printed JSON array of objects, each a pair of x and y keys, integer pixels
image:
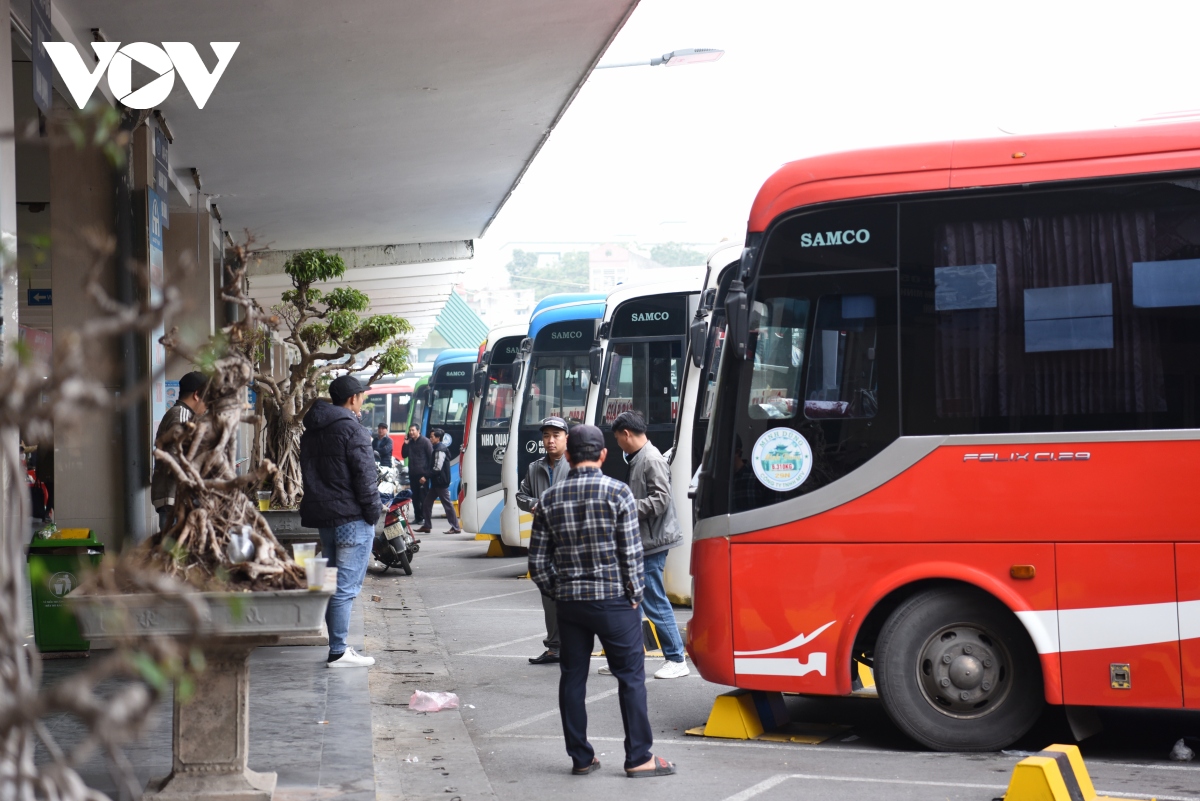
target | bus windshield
[
  {"x": 643, "y": 376},
  {"x": 448, "y": 406},
  {"x": 558, "y": 385},
  {"x": 374, "y": 411},
  {"x": 498, "y": 401}
]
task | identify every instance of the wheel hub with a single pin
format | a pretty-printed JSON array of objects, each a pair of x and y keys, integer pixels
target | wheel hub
[{"x": 963, "y": 671}]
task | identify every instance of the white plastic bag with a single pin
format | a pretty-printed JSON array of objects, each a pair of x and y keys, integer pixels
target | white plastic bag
[{"x": 432, "y": 702}]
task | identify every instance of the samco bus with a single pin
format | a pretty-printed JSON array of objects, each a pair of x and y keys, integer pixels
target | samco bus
[
  {"x": 492, "y": 399},
  {"x": 958, "y": 398},
  {"x": 691, "y": 423},
  {"x": 642, "y": 339},
  {"x": 447, "y": 400},
  {"x": 553, "y": 377}
]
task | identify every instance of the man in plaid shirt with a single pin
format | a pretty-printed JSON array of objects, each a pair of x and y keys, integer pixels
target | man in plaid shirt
[{"x": 585, "y": 552}]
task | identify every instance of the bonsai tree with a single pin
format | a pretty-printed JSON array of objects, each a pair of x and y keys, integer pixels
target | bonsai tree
[
  {"x": 332, "y": 337},
  {"x": 212, "y": 502}
]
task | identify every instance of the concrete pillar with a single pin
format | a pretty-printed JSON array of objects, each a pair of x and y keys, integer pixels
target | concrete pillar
[
  {"x": 89, "y": 488},
  {"x": 188, "y": 255}
]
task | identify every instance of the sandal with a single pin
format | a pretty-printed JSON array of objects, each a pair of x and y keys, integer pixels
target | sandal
[
  {"x": 585, "y": 771},
  {"x": 661, "y": 768}
]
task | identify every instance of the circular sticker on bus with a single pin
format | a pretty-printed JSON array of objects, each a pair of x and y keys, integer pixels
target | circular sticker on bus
[{"x": 782, "y": 459}]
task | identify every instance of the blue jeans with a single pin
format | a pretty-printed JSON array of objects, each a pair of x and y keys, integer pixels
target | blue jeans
[
  {"x": 348, "y": 548},
  {"x": 656, "y": 607}
]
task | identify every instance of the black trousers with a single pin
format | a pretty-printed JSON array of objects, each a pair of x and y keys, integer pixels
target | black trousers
[
  {"x": 439, "y": 494},
  {"x": 551, "y": 614},
  {"x": 619, "y": 627},
  {"x": 418, "y": 491}
]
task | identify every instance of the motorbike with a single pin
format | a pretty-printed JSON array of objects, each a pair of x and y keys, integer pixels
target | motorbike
[{"x": 395, "y": 544}]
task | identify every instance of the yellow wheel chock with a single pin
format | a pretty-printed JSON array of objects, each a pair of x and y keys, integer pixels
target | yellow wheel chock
[{"x": 1056, "y": 773}]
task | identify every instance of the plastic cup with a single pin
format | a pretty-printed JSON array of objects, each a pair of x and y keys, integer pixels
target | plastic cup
[
  {"x": 314, "y": 571},
  {"x": 330, "y": 582},
  {"x": 303, "y": 551},
  {"x": 264, "y": 500}
]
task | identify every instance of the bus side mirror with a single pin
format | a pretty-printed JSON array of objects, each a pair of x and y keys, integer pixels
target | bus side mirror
[
  {"x": 698, "y": 340},
  {"x": 516, "y": 379},
  {"x": 737, "y": 317},
  {"x": 596, "y": 362},
  {"x": 479, "y": 381}
]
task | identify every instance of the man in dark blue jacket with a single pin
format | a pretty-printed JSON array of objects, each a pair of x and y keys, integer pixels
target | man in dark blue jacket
[
  {"x": 382, "y": 444},
  {"x": 341, "y": 501}
]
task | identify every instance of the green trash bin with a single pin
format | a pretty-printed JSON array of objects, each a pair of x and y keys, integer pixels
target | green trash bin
[{"x": 55, "y": 568}]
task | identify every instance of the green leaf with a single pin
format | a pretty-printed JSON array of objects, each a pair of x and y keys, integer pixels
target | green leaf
[
  {"x": 348, "y": 299},
  {"x": 312, "y": 266},
  {"x": 341, "y": 324},
  {"x": 394, "y": 360}
]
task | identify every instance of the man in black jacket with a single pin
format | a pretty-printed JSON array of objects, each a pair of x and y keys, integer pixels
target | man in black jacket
[
  {"x": 419, "y": 452},
  {"x": 341, "y": 501},
  {"x": 382, "y": 445}
]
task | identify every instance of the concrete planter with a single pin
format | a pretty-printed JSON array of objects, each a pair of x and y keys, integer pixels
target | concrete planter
[
  {"x": 211, "y": 732},
  {"x": 285, "y": 525}
]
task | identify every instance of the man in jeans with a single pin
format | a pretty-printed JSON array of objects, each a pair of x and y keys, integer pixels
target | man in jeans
[
  {"x": 341, "y": 501},
  {"x": 439, "y": 479},
  {"x": 650, "y": 481},
  {"x": 586, "y": 553}
]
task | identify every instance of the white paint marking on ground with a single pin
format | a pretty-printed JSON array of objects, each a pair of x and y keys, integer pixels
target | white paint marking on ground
[
  {"x": 530, "y": 609},
  {"x": 482, "y": 570},
  {"x": 778, "y": 779},
  {"x": 474, "y": 651},
  {"x": 485, "y": 598},
  {"x": 518, "y": 724}
]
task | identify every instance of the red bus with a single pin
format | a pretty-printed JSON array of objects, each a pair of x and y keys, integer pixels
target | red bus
[{"x": 955, "y": 411}]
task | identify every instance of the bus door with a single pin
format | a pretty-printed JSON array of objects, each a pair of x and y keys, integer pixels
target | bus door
[{"x": 644, "y": 371}]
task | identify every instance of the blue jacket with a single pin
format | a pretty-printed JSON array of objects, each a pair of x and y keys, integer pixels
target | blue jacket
[{"x": 341, "y": 483}]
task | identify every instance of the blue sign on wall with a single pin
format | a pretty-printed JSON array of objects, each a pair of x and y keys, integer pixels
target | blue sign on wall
[{"x": 39, "y": 297}]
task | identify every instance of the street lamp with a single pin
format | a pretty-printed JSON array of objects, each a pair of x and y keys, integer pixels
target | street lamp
[{"x": 677, "y": 58}]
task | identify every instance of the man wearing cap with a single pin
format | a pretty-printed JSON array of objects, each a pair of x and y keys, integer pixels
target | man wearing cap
[
  {"x": 585, "y": 551},
  {"x": 544, "y": 473},
  {"x": 189, "y": 406},
  {"x": 341, "y": 501}
]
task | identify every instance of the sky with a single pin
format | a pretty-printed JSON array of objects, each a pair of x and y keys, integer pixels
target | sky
[{"x": 656, "y": 154}]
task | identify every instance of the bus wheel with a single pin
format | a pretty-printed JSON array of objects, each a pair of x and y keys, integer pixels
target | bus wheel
[{"x": 957, "y": 672}]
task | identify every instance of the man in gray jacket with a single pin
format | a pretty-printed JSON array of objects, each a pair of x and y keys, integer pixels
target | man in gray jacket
[
  {"x": 550, "y": 469},
  {"x": 650, "y": 481}
]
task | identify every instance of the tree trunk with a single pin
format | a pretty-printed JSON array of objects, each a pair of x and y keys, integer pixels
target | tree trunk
[{"x": 283, "y": 448}]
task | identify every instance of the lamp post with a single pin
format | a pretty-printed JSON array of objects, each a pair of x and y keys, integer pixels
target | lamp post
[{"x": 676, "y": 58}]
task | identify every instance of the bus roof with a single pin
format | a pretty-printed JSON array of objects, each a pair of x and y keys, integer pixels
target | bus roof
[
  {"x": 563, "y": 298},
  {"x": 502, "y": 332},
  {"x": 391, "y": 389},
  {"x": 455, "y": 356},
  {"x": 976, "y": 163},
  {"x": 691, "y": 279},
  {"x": 574, "y": 311}
]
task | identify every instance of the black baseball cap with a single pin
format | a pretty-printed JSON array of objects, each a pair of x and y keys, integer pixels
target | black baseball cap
[
  {"x": 191, "y": 383},
  {"x": 554, "y": 422},
  {"x": 584, "y": 443},
  {"x": 344, "y": 387}
]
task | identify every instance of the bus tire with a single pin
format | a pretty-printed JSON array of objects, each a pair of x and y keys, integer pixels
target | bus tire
[{"x": 956, "y": 671}]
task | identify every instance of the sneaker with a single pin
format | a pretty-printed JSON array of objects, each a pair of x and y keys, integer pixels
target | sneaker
[
  {"x": 352, "y": 658},
  {"x": 672, "y": 670},
  {"x": 605, "y": 671},
  {"x": 455, "y": 530}
]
